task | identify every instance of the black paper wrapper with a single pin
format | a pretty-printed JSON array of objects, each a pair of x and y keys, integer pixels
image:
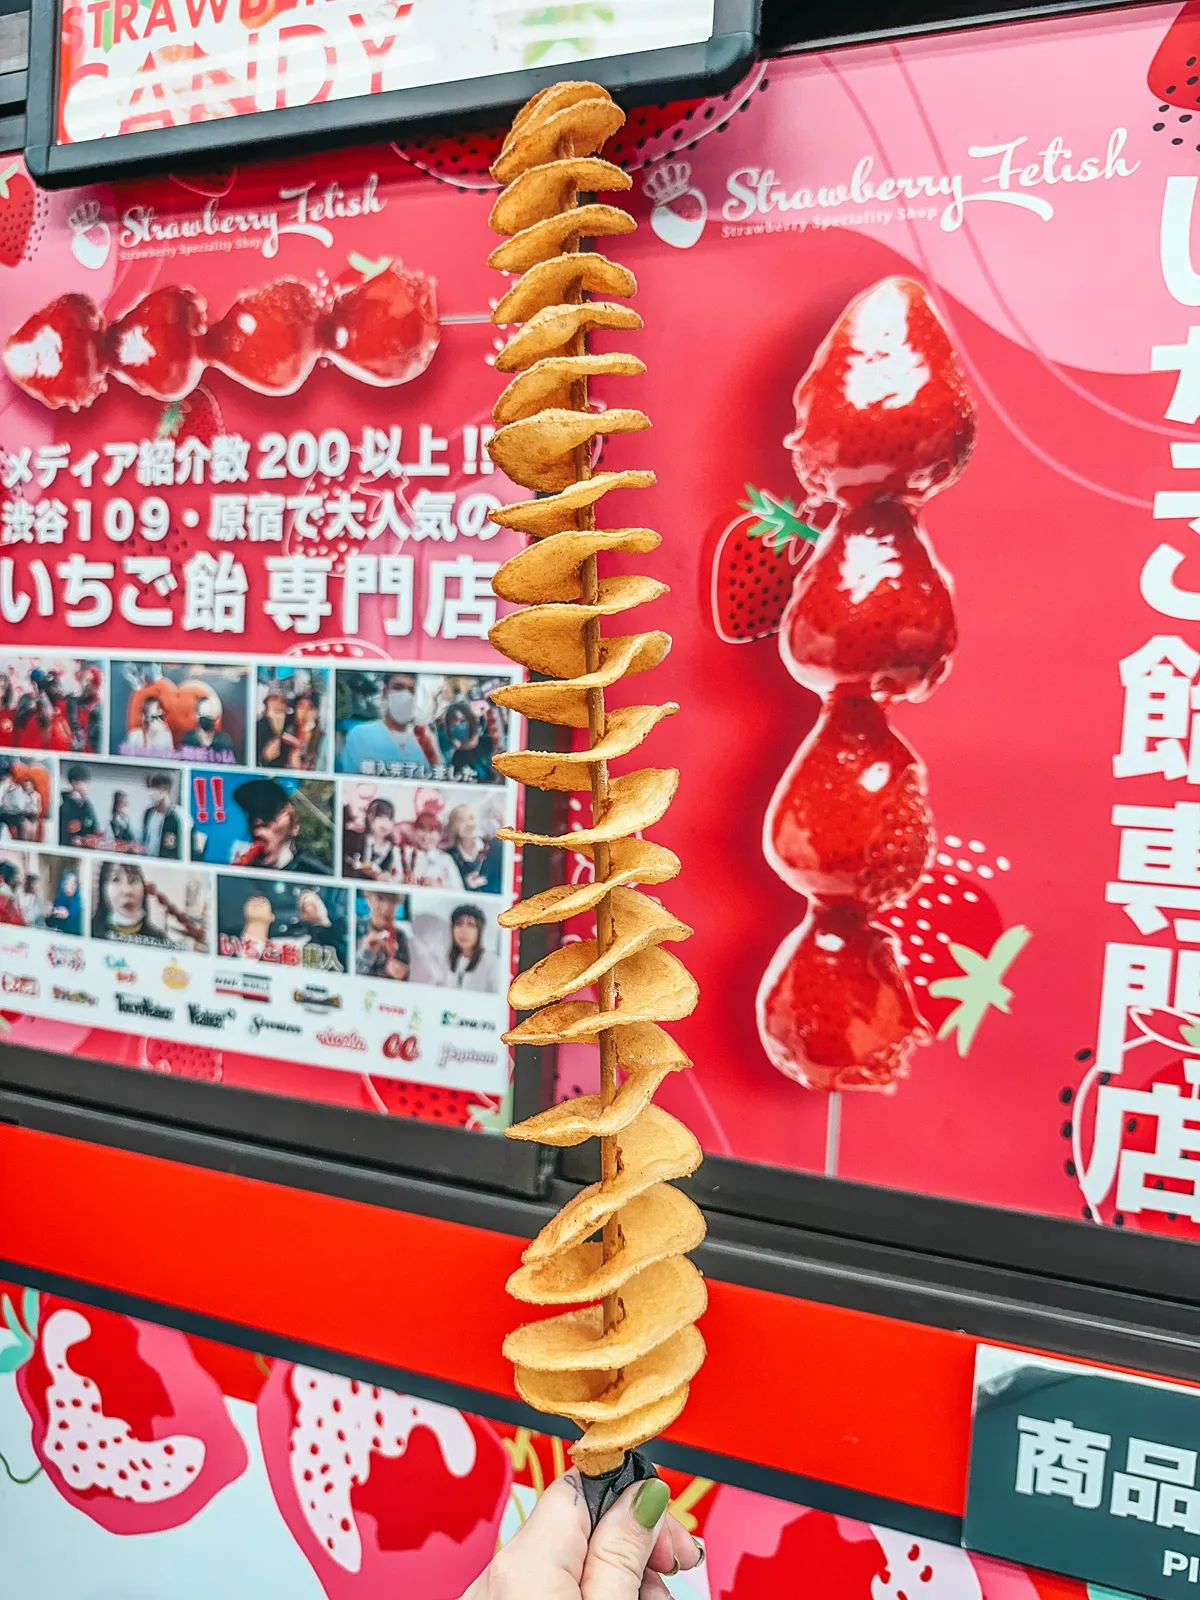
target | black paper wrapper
[{"x": 602, "y": 1492}]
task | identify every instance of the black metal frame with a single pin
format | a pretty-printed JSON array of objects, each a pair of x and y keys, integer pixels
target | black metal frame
[{"x": 685, "y": 70}]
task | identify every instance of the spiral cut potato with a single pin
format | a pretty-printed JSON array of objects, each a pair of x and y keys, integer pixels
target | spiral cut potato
[{"x": 620, "y": 1361}]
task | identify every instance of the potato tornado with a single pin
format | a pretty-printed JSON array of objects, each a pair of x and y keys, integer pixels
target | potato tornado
[{"x": 618, "y": 1363}]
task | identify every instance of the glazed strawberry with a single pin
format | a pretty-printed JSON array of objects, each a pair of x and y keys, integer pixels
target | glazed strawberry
[
  {"x": 268, "y": 337},
  {"x": 754, "y": 565},
  {"x": 383, "y": 330},
  {"x": 873, "y": 608},
  {"x": 158, "y": 347},
  {"x": 884, "y": 407},
  {"x": 849, "y": 819},
  {"x": 57, "y": 355},
  {"x": 197, "y": 416},
  {"x": 834, "y": 1008}
]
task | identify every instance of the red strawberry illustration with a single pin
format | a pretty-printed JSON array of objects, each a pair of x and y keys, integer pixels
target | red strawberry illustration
[
  {"x": 179, "y": 1059},
  {"x": 884, "y": 408},
  {"x": 754, "y": 566},
  {"x": 268, "y": 337},
  {"x": 873, "y": 608},
  {"x": 835, "y": 1010},
  {"x": 57, "y": 355},
  {"x": 129, "y": 1427},
  {"x": 1174, "y": 75},
  {"x": 951, "y": 907},
  {"x": 384, "y": 1494},
  {"x": 18, "y": 204},
  {"x": 157, "y": 348},
  {"x": 196, "y": 416},
  {"x": 849, "y": 818},
  {"x": 383, "y": 329},
  {"x": 423, "y": 1102}
]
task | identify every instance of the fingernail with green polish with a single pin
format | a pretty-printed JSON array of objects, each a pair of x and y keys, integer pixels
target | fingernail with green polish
[{"x": 650, "y": 1502}]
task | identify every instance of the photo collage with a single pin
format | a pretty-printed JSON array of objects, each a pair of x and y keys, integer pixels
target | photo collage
[{"x": 337, "y": 821}]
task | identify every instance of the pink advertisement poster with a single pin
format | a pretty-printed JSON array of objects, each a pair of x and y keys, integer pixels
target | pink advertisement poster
[{"x": 925, "y": 394}]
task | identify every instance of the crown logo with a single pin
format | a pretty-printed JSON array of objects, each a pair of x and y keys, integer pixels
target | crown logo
[{"x": 668, "y": 181}]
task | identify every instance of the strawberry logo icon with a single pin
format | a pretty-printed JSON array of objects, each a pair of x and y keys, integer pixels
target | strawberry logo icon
[
  {"x": 18, "y": 207},
  {"x": 754, "y": 565},
  {"x": 127, "y": 1425}
]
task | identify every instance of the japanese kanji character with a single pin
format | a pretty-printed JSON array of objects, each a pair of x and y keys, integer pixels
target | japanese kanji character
[
  {"x": 1158, "y": 1484},
  {"x": 86, "y": 586},
  {"x": 51, "y": 460},
  {"x": 17, "y": 469},
  {"x": 379, "y": 455},
  {"x": 432, "y": 515},
  {"x": 1057, "y": 1458},
  {"x": 16, "y": 522},
  {"x": 215, "y": 593},
  {"x": 309, "y": 509},
  {"x": 1142, "y": 1176},
  {"x": 156, "y": 463},
  {"x": 84, "y": 469},
  {"x": 386, "y": 518},
  {"x": 120, "y": 458},
  {"x": 227, "y": 517},
  {"x": 1158, "y": 727},
  {"x": 425, "y": 466},
  {"x": 264, "y": 518},
  {"x": 151, "y": 572},
  {"x": 297, "y": 588},
  {"x": 230, "y": 459},
  {"x": 388, "y": 574},
  {"x": 1158, "y": 864},
  {"x": 473, "y": 611},
  {"x": 50, "y": 521},
  {"x": 1135, "y": 976},
  {"x": 472, "y": 516},
  {"x": 342, "y": 514},
  {"x": 191, "y": 458}
]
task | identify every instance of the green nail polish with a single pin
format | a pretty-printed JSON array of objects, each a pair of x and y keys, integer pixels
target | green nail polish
[{"x": 650, "y": 1502}]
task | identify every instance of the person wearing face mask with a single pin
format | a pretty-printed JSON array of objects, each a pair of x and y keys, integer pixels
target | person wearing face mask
[
  {"x": 207, "y": 741},
  {"x": 467, "y": 744},
  {"x": 273, "y": 751},
  {"x": 162, "y": 821},
  {"x": 151, "y": 733},
  {"x": 394, "y": 738}
]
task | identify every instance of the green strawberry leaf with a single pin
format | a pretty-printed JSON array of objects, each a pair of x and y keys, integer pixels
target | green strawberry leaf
[
  {"x": 9, "y": 172},
  {"x": 30, "y": 1309},
  {"x": 369, "y": 269},
  {"x": 11, "y": 1320},
  {"x": 15, "y": 1355},
  {"x": 1191, "y": 1034},
  {"x": 495, "y": 1121},
  {"x": 776, "y": 521}
]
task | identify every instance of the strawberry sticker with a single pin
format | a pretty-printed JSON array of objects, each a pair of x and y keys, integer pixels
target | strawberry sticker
[
  {"x": 18, "y": 206},
  {"x": 754, "y": 566},
  {"x": 385, "y": 1495},
  {"x": 128, "y": 1426}
]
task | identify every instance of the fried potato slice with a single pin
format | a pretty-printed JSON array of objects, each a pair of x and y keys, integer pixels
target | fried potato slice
[
  {"x": 636, "y": 800},
  {"x": 588, "y": 1397},
  {"x": 551, "y": 569},
  {"x": 571, "y": 1122},
  {"x": 547, "y": 283},
  {"x": 652, "y": 987},
  {"x": 638, "y": 922},
  {"x": 630, "y": 861},
  {"x": 659, "y": 1303},
  {"x": 626, "y": 729},
  {"x": 556, "y": 513},
  {"x": 554, "y": 98},
  {"x": 539, "y": 452},
  {"x": 655, "y": 1148},
  {"x": 546, "y": 238},
  {"x": 545, "y": 190},
  {"x": 659, "y": 1224},
  {"x": 550, "y": 332},
  {"x": 550, "y": 638},
  {"x": 605, "y": 1445},
  {"x": 565, "y": 704},
  {"x": 586, "y": 123},
  {"x": 550, "y": 383}
]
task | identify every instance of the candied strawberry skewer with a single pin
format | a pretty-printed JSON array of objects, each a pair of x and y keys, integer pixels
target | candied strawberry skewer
[{"x": 883, "y": 421}]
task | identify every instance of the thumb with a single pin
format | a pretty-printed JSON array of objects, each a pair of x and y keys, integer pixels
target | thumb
[{"x": 623, "y": 1543}]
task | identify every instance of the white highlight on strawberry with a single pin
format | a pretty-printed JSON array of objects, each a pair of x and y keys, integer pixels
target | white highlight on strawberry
[
  {"x": 920, "y": 1570},
  {"x": 340, "y": 1424},
  {"x": 94, "y": 1451},
  {"x": 40, "y": 358},
  {"x": 866, "y": 563},
  {"x": 133, "y": 347},
  {"x": 885, "y": 370}
]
